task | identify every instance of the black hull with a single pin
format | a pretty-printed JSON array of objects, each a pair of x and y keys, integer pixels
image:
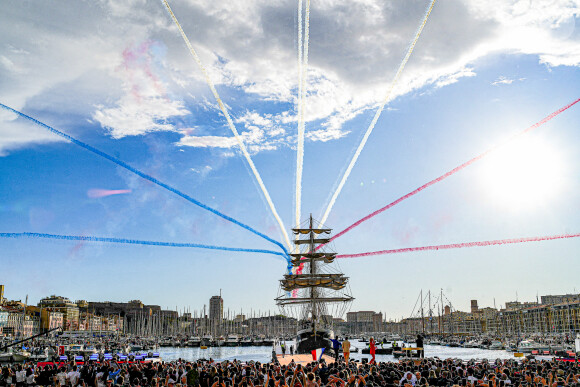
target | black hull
[
  {"x": 307, "y": 341},
  {"x": 378, "y": 351}
]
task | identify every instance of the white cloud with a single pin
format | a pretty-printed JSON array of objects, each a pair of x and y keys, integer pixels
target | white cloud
[
  {"x": 203, "y": 171},
  {"x": 502, "y": 81},
  {"x": 263, "y": 133},
  {"x": 134, "y": 117},
  {"x": 145, "y": 106},
  {"x": 325, "y": 134},
  {"x": 451, "y": 78},
  {"x": 253, "y": 118},
  {"x": 249, "y": 49},
  {"x": 207, "y": 141},
  {"x": 16, "y": 134}
]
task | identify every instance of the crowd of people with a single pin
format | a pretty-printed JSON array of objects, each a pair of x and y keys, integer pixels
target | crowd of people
[{"x": 208, "y": 373}]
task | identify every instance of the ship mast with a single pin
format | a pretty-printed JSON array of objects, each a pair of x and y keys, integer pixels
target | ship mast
[
  {"x": 313, "y": 272},
  {"x": 309, "y": 286}
]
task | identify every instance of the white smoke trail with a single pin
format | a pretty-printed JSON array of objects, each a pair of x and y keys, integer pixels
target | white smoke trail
[
  {"x": 298, "y": 185},
  {"x": 231, "y": 125},
  {"x": 377, "y": 115},
  {"x": 303, "y": 71}
]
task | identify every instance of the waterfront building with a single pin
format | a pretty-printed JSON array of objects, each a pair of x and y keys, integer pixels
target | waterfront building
[
  {"x": 13, "y": 323},
  {"x": 47, "y": 318},
  {"x": 517, "y": 319},
  {"x": 216, "y": 314},
  {"x": 133, "y": 307},
  {"x": 364, "y": 321},
  {"x": 515, "y": 305},
  {"x": 113, "y": 323},
  {"x": 130, "y": 317},
  {"x": 489, "y": 320},
  {"x": 90, "y": 322},
  {"x": 30, "y": 326},
  {"x": 51, "y": 319},
  {"x": 69, "y": 310},
  {"x": 559, "y": 299},
  {"x": 3, "y": 319},
  {"x": 18, "y": 324},
  {"x": 474, "y": 307},
  {"x": 216, "y": 308}
]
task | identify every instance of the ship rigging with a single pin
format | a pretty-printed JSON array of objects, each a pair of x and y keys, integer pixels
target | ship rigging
[{"x": 314, "y": 292}]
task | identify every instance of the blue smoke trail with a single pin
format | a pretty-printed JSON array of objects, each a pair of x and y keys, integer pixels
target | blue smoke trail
[
  {"x": 146, "y": 177},
  {"x": 16, "y": 235}
]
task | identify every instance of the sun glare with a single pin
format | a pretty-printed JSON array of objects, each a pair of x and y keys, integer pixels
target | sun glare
[{"x": 523, "y": 174}]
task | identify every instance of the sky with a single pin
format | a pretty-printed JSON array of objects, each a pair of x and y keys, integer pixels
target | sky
[{"x": 119, "y": 77}]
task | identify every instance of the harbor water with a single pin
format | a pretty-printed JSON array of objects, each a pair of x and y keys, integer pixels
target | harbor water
[{"x": 264, "y": 354}]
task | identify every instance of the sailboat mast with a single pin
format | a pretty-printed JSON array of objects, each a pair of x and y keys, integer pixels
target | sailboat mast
[
  {"x": 422, "y": 315},
  {"x": 430, "y": 314}
]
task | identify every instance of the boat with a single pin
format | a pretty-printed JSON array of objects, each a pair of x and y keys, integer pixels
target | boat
[
  {"x": 527, "y": 346},
  {"x": 471, "y": 344},
  {"x": 268, "y": 342},
  {"x": 41, "y": 354},
  {"x": 14, "y": 355},
  {"x": 220, "y": 341},
  {"x": 206, "y": 341},
  {"x": 312, "y": 289},
  {"x": 232, "y": 341},
  {"x": 497, "y": 345},
  {"x": 138, "y": 348},
  {"x": 164, "y": 343},
  {"x": 378, "y": 351},
  {"x": 194, "y": 342},
  {"x": 81, "y": 350},
  {"x": 247, "y": 342}
]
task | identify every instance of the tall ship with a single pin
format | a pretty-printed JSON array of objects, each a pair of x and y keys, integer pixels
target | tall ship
[{"x": 314, "y": 291}]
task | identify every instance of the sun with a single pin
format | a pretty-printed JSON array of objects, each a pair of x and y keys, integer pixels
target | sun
[{"x": 523, "y": 174}]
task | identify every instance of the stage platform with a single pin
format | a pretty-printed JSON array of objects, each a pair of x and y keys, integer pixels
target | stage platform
[{"x": 302, "y": 359}]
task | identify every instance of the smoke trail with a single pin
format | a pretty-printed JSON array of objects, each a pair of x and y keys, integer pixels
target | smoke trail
[
  {"x": 145, "y": 176},
  {"x": 96, "y": 193},
  {"x": 231, "y": 125},
  {"x": 300, "y": 146},
  {"x": 303, "y": 68},
  {"x": 461, "y": 245},
  {"x": 457, "y": 169},
  {"x": 18, "y": 235},
  {"x": 377, "y": 115},
  {"x": 300, "y": 52}
]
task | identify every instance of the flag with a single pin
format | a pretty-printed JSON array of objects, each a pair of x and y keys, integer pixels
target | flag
[{"x": 317, "y": 354}]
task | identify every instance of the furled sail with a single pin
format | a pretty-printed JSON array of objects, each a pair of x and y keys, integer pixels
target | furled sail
[{"x": 298, "y": 281}]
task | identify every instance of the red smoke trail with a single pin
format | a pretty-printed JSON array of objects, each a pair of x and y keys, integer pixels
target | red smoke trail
[
  {"x": 457, "y": 169},
  {"x": 461, "y": 245},
  {"x": 299, "y": 270},
  {"x": 100, "y": 193},
  {"x": 136, "y": 59}
]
